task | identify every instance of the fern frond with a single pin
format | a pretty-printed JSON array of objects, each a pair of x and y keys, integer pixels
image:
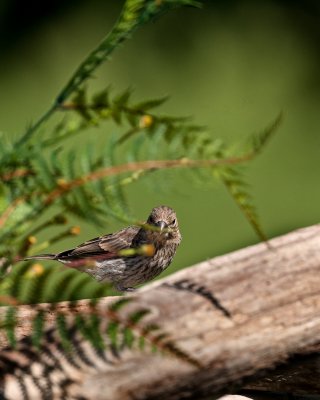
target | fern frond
[
  {"x": 237, "y": 186},
  {"x": 104, "y": 329},
  {"x": 238, "y": 189},
  {"x": 258, "y": 141},
  {"x": 134, "y": 14},
  {"x": 39, "y": 173}
]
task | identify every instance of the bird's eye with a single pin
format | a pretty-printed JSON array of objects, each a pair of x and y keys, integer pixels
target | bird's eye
[{"x": 173, "y": 222}]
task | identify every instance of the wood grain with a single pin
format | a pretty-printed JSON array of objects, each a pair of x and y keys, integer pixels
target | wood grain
[{"x": 239, "y": 315}]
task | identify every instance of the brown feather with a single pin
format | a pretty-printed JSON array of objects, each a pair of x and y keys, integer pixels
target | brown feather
[
  {"x": 102, "y": 245},
  {"x": 101, "y": 257}
]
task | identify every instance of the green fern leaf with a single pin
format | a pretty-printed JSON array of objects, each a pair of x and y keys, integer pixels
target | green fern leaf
[
  {"x": 137, "y": 316},
  {"x": 63, "y": 331},
  {"x": 101, "y": 99},
  {"x": 149, "y": 104},
  {"x": 117, "y": 305},
  {"x": 238, "y": 190},
  {"x": 112, "y": 331},
  {"x": 258, "y": 141},
  {"x": 37, "y": 329},
  {"x": 128, "y": 338},
  {"x": 10, "y": 322}
]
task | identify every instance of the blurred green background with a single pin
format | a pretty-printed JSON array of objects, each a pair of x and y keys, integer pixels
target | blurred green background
[{"x": 232, "y": 65}]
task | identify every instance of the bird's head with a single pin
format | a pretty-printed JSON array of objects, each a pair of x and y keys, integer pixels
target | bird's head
[{"x": 165, "y": 219}]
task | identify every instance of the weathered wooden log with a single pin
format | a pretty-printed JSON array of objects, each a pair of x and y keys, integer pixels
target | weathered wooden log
[{"x": 238, "y": 316}]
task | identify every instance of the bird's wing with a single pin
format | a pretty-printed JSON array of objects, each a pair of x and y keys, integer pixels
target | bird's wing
[{"x": 107, "y": 245}]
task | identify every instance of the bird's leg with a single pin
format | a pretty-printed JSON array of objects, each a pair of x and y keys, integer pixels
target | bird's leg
[{"x": 125, "y": 289}]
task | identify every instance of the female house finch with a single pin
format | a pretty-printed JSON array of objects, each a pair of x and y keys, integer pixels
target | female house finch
[{"x": 118, "y": 258}]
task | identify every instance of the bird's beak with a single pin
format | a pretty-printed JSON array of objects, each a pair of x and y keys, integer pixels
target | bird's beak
[{"x": 162, "y": 225}]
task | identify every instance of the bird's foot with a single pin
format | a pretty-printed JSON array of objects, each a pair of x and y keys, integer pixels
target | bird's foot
[{"x": 125, "y": 289}]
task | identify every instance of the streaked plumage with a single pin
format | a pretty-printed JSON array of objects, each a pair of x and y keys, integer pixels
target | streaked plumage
[{"x": 104, "y": 257}]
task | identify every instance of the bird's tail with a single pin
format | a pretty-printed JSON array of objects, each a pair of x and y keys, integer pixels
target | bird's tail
[{"x": 41, "y": 257}]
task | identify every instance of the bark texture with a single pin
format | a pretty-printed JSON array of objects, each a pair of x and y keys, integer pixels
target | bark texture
[{"x": 249, "y": 318}]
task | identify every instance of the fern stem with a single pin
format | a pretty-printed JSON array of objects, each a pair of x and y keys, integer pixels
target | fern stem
[
  {"x": 148, "y": 165},
  {"x": 33, "y": 128},
  {"x": 140, "y": 166},
  {"x": 18, "y": 173},
  {"x": 134, "y": 14}
]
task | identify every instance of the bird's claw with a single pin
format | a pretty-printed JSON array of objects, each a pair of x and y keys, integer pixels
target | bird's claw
[{"x": 125, "y": 289}]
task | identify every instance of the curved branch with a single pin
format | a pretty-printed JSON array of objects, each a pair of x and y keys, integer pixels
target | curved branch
[{"x": 148, "y": 165}]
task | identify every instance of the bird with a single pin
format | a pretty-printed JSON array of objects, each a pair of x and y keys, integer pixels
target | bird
[{"x": 129, "y": 257}]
